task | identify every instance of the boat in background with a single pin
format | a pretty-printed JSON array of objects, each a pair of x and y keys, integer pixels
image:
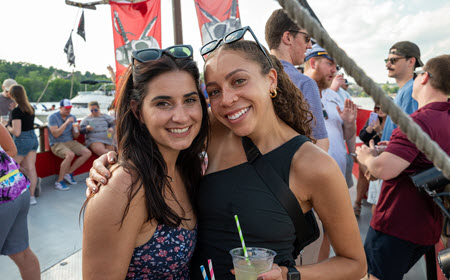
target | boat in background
[{"x": 104, "y": 95}]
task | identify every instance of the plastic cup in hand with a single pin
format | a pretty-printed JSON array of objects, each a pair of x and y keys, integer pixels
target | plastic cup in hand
[
  {"x": 380, "y": 148},
  {"x": 5, "y": 119},
  {"x": 75, "y": 127},
  {"x": 259, "y": 260}
]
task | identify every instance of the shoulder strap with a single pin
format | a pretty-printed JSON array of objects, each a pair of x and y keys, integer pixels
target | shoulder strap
[{"x": 279, "y": 189}]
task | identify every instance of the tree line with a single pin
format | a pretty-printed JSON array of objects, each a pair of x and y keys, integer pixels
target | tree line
[{"x": 34, "y": 78}]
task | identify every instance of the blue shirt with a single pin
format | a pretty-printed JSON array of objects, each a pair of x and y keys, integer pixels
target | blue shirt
[
  {"x": 404, "y": 100},
  {"x": 310, "y": 91},
  {"x": 66, "y": 136}
]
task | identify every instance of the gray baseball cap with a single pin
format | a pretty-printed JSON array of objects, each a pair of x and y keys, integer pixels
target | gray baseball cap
[{"x": 407, "y": 48}]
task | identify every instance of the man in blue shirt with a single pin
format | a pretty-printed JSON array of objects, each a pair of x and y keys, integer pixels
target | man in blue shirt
[
  {"x": 64, "y": 129},
  {"x": 289, "y": 42},
  {"x": 403, "y": 58}
]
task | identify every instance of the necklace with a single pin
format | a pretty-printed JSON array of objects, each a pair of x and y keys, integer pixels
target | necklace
[{"x": 170, "y": 178}]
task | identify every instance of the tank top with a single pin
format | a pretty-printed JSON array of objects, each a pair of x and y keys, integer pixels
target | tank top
[
  {"x": 264, "y": 222},
  {"x": 165, "y": 256}
]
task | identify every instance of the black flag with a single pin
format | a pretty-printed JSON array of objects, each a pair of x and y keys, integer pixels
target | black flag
[
  {"x": 80, "y": 30},
  {"x": 68, "y": 49}
]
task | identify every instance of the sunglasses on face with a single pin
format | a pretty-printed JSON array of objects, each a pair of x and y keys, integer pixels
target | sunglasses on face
[
  {"x": 393, "y": 60},
  {"x": 307, "y": 36},
  {"x": 94, "y": 110},
  {"x": 417, "y": 72},
  {"x": 177, "y": 51},
  {"x": 232, "y": 37}
]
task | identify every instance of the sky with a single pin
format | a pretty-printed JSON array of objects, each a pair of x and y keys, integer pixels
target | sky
[{"x": 35, "y": 31}]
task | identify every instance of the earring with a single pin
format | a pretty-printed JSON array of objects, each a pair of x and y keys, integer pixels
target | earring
[{"x": 273, "y": 93}]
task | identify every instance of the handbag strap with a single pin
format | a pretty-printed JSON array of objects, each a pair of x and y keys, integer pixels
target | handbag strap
[{"x": 278, "y": 187}]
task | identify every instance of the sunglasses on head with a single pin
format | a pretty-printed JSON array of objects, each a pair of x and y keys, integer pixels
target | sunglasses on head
[
  {"x": 232, "y": 37},
  {"x": 393, "y": 60},
  {"x": 94, "y": 110},
  {"x": 177, "y": 51}
]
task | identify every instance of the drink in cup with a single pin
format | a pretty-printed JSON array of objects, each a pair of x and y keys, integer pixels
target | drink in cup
[
  {"x": 75, "y": 127},
  {"x": 380, "y": 148},
  {"x": 259, "y": 260},
  {"x": 5, "y": 119}
]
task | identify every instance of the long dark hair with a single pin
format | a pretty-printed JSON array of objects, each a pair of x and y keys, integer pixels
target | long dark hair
[
  {"x": 290, "y": 104},
  {"x": 19, "y": 95},
  {"x": 138, "y": 152}
]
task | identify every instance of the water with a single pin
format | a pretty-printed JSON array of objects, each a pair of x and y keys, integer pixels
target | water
[{"x": 366, "y": 103}]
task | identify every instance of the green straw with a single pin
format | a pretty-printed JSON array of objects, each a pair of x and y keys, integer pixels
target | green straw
[{"x": 241, "y": 236}]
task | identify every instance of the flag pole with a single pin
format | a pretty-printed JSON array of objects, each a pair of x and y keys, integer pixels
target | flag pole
[
  {"x": 177, "y": 26},
  {"x": 71, "y": 84}
]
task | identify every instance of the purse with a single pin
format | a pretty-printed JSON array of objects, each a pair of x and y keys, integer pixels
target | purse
[{"x": 306, "y": 228}]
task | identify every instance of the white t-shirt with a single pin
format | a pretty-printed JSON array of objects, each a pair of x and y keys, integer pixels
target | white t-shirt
[{"x": 335, "y": 127}]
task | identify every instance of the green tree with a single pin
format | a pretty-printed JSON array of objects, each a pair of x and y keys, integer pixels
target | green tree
[{"x": 35, "y": 77}]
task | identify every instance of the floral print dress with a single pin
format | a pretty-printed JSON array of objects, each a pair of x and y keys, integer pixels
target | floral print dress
[{"x": 165, "y": 256}]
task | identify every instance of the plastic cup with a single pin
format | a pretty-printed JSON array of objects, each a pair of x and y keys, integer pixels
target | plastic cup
[
  {"x": 259, "y": 260},
  {"x": 4, "y": 119},
  {"x": 75, "y": 127},
  {"x": 380, "y": 148}
]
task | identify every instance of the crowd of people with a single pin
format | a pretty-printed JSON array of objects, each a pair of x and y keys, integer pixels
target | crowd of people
[
  {"x": 17, "y": 116},
  {"x": 162, "y": 212}
]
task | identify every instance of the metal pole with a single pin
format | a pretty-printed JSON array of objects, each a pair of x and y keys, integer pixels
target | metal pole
[{"x": 177, "y": 26}]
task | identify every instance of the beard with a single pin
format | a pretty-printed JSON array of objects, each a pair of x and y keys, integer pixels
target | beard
[{"x": 323, "y": 83}]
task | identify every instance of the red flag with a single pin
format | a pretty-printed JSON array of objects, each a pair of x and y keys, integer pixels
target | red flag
[
  {"x": 217, "y": 18},
  {"x": 136, "y": 26},
  {"x": 81, "y": 30}
]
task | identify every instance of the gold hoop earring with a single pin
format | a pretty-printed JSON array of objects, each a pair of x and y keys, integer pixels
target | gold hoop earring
[{"x": 273, "y": 93}]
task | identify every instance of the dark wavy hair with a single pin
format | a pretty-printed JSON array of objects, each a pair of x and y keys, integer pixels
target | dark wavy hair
[
  {"x": 290, "y": 104},
  {"x": 138, "y": 152}
]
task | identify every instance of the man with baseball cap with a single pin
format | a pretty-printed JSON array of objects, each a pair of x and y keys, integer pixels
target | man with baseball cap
[
  {"x": 402, "y": 60},
  {"x": 6, "y": 103},
  {"x": 407, "y": 223},
  {"x": 289, "y": 42},
  {"x": 63, "y": 132},
  {"x": 340, "y": 115}
]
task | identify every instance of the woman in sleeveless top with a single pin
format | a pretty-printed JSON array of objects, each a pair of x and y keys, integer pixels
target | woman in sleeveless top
[
  {"x": 251, "y": 98},
  {"x": 22, "y": 128},
  {"x": 143, "y": 225},
  {"x": 250, "y": 95}
]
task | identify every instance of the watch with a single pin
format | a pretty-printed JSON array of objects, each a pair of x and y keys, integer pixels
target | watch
[{"x": 293, "y": 273}]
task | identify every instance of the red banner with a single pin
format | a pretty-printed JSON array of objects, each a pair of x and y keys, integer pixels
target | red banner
[
  {"x": 217, "y": 18},
  {"x": 135, "y": 26}
]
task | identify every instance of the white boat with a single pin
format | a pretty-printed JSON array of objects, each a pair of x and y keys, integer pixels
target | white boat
[{"x": 104, "y": 95}]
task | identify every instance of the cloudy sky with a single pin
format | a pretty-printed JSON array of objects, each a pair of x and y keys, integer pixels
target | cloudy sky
[{"x": 36, "y": 31}]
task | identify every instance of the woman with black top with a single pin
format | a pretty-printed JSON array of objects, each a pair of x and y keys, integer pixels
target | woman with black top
[
  {"x": 21, "y": 127},
  {"x": 251, "y": 95},
  {"x": 369, "y": 132}
]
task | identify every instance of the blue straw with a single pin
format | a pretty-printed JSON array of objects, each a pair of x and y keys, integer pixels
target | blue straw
[{"x": 202, "y": 268}]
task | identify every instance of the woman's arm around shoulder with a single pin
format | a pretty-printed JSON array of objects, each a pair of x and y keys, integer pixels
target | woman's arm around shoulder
[
  {"x": 108, "y": 243},
  {"x": 318, "y": 182}
]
